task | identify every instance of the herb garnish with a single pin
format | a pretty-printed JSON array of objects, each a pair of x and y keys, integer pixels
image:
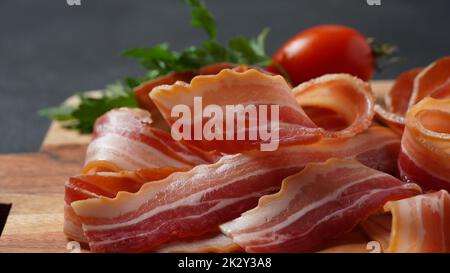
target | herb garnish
[{"x": 160, "y": 60}]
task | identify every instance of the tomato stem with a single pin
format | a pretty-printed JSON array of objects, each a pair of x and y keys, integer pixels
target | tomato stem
[
  {"x": 384, "y": 54},
  {"x": 281, "y": 70}
]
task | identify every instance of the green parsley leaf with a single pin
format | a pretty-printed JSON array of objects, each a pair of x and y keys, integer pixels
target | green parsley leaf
[
  {"x": 61, "y": 113},
  {"x": 158, "y": 58},
  {"x": 91, "y": 108},
  {"x": 83, "y": 116},
  {"x": 249, "y": 52},
  {"x": 215, "y": 53},
  {"x": 258, "y": 44},
  {"x": 202, "y": 18}
]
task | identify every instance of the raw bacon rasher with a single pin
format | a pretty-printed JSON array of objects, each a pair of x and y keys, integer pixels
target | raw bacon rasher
[
  {"x": 425, "y": 153},
  {"x": 421, "y": 223},
  {"x": 104, "y": 184},
  {"x": 124, "y": 139},
  {"x": 398, "y": 97},
  {"x": 410, "y": 88},
  {"x": 245, "y": 87},
  {"x": 108, "y": 184},
  {"x": 143, "y": 90},
  {"x": 396, "y": 101},
  {"x": 433, "y": 81},
  {"x": 348, "y": 97},
  {"x": 192, "y": 203},
  {"x": 417, "y": 224},
  {"x": 141, "y": 93},
  {"x": 322, "y": 202}
]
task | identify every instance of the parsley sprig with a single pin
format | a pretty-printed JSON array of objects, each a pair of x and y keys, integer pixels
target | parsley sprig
[{"x": 160, "y": 60}]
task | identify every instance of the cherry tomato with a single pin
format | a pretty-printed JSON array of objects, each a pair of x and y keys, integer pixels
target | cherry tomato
[{"x": 322, "y": 50}]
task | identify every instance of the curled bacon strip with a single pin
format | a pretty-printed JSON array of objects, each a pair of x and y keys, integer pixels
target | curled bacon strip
[
  {"x": 322, "y": 202},
  {"x": 397, "y": 99},
  {"x": 434, "y": 78},
  {"x": 394, "y": 121},
  {"x": 411, "y": 87},
  {"x": 417, "y": 224},
  {"x": 345, "y": 95},
  {"x": 421, "y": 223},
  {"x": 123, "y": 139},
  {"x": 189, "y": 204},
  {"x": 104, "y": 184},
  {"x": 142, "y": 91},
  {"x": 425, "y": 154},
  {"x": 108, "y": 184},
  {"x": 246, "y": 87}
]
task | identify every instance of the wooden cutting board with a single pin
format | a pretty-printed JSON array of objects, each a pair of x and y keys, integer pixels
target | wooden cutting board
[{"x": 34, "y": 184}]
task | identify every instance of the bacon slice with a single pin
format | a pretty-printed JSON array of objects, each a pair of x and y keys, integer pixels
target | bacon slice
[
  {"x": 343, "y": 94},
  {"x": 376, "y": 148},
  {"x": 395, "y": 121},
  {"x": 141, "y": 92},
  {"x": 425, "y": 154},
  {"x": 239, "y": 87},
  {"x": 435, "y": 77},
  {"x": 108, "y": 184},
  {"x": 183, "y": 205},
  {"x": 397, "y": 99},
  {"x": 214, "y": 69},
  {"x": 324, "y": 201},
  {"x": 214, "y": 244},
  {"x": 413, "y": 86},
  {"x": 72, "y": 225},
  {"x": 417, "y": 224},
  {"x": 104, "y": 184},
  {"x": 442, "y": 92},
  {"x": 124, "y": 140},
  {"x": 421, "y": 223},
  {"x": 193, "y": 203},
  {"x": 327, "y": 119}
]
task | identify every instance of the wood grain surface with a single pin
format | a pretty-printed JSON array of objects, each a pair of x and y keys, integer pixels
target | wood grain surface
[{"x": 34, "y": 185}]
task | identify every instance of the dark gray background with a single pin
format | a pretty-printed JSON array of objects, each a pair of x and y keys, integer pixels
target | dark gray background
[{"x": 49, "y": 50}]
